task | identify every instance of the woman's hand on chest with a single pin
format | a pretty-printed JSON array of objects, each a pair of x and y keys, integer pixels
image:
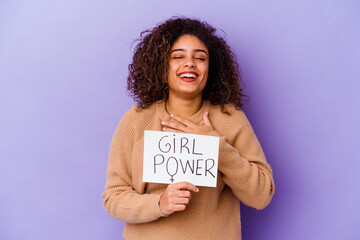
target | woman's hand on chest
[{"x": 184, "y": 125}]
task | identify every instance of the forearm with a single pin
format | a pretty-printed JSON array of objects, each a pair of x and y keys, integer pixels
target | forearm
[
  {"x": 122, "y": 199},
  {"x": 130, "y": 206},
  {"x": 249, "y": 176},
  {"x": 250, "y": 179}
]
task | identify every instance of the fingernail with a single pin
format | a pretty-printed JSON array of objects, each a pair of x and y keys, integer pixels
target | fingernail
[
  {"x": 197, "y": 189},
  {"x": 171, "y": 115},
  {"x": 164, "y": 129},
  {"x": 163, "y": 122}
]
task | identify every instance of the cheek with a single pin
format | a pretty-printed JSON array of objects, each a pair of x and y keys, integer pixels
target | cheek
[
  {"x": 170, "y": 70},
  {"x": 206, "y": 71}
]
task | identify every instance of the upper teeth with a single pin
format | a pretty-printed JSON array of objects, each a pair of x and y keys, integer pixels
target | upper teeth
[{"x": 188, "y": 75}]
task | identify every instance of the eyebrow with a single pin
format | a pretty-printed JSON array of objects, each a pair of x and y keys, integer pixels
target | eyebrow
[{"x": 195, "y": 50}]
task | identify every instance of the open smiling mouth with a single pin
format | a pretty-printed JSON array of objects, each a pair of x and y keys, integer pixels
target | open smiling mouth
[{"x": 188, "y": 77}]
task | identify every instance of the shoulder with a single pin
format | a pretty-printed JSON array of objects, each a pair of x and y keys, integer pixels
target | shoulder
[
  {"x": 230, "y": 123},
  {"x": 136, "y": 120},
  {"x": 134, "y": 117},
  {"x": 138, "y": 115},
  {"x": 231, "y": 114}
]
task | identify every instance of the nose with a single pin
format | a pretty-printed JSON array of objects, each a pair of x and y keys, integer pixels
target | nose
[{"x": 189, "y": 63}]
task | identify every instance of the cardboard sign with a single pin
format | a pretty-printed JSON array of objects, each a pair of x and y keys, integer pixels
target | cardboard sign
[{"x": 177, "y": 157}]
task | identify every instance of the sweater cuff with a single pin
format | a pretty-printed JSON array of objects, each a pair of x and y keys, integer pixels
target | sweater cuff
[{"x": 156, "y": 204}]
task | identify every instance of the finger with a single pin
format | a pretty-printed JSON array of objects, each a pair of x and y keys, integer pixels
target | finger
[
  {"x": 184, "y": 194},
  {"x": 179, "y": 207},
  {"x": 175, "y": 126},
  {"x": 182, "y": 120},
  {"x": 182, "y": 201},
  {"x": 206, "y": 119},
  {"x": 185, "y": 185},
  {"x": 171, "y": 130}
]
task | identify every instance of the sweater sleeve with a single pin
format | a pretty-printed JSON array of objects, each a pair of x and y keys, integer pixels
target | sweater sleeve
[
  {"x": 121, "y": 200},
  {"x": 243, "y": 163}
]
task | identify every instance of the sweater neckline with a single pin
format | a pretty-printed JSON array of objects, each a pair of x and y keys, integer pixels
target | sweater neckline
[{"x": 196, "y": 118}]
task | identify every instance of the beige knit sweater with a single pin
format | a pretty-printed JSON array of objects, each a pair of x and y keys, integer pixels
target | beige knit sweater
[{"x": 213, "y": 213}]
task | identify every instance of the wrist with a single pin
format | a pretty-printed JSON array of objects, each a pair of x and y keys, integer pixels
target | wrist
[{"x": 161, "y": 210}]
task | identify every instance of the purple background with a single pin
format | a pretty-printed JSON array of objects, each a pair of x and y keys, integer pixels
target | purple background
[{"x": 63, "y": 69}]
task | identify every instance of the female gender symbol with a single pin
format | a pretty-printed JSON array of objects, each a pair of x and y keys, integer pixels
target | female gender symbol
[{"x": 167, "y": 168}]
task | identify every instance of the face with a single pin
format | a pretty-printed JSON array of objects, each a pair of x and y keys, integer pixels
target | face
[{"x": 189, "y": 66}]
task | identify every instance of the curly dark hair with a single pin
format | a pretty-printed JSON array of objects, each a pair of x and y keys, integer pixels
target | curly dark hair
[{"x": 147, "y": 80}]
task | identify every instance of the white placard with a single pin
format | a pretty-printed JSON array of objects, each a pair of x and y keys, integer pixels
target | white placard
[{"x": 176, "y": 157}]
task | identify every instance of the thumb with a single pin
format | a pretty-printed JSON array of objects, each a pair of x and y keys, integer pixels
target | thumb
[{"x": 206, "y": 119}]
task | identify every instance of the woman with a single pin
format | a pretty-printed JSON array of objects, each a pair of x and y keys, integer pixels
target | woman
[{"x": 185, "y": 79}]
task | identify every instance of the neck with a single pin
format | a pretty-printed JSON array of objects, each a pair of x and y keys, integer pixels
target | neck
[{"x": 183, "y": 107}]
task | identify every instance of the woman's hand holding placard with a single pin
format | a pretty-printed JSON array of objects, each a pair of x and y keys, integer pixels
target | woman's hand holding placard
[{"x": 176, "y": 197}]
